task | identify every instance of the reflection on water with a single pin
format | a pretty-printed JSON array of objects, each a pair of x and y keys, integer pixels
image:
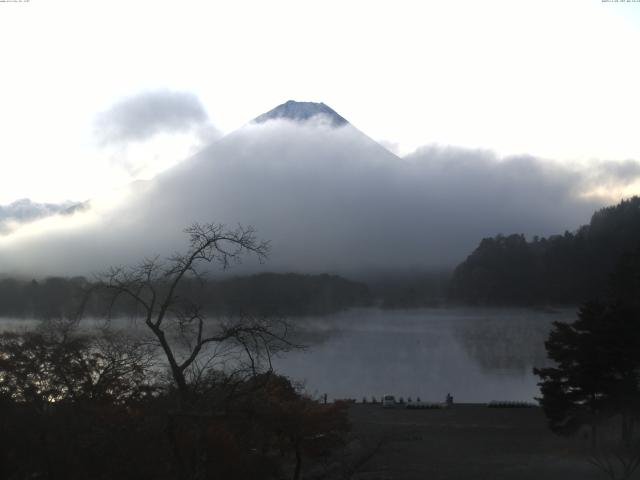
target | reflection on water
[
  {"x": 475, "y": 354},
  {"x": 506, "y": 342}
]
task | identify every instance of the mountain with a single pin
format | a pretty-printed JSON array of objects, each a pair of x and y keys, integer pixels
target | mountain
[
  {"x": 292, "y": 180},
  {"x": 328, "y": 198},
  {"x": 302, "y": 111}
]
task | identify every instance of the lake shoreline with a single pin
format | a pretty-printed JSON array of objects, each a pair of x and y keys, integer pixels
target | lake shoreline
[{"x": 466, "y": 441}]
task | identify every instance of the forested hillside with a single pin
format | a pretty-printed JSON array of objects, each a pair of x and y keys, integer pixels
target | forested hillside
[
  {"x": 267, "y": 294},
  {"x": 560, "y": 269}
]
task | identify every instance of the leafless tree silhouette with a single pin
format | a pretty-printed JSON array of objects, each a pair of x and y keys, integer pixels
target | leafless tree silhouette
[{"x": 191, "y": 341}]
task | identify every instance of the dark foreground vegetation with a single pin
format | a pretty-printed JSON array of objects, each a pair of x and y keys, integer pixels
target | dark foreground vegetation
[
  {"x": 186, "y": 396},
  {"x": 593, "y": 385},
  {"x": 75, "y": 406},
  {"x": 465, "y": 442}
]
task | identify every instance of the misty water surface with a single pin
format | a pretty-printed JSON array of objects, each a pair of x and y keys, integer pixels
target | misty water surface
[{"x": 477, "y": 355}]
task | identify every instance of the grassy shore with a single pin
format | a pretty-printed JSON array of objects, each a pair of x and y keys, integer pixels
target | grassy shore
[{"x": 463, "y": 442}]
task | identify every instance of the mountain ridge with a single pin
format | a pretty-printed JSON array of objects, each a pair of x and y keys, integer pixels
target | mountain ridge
[{"x": 301, "y": 112}]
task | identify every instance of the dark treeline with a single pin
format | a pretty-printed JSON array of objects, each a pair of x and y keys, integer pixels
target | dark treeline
[
  {"x": 49, "y": 298},
  {"x": 591, "y": 387},
  {"x": 560, "y": 269},
  {"x": 410, "y": 290},
  {"x": 286, "y": 294},
  {"x": 267, "y": 294},
  {"x": 79, "y": 406}
]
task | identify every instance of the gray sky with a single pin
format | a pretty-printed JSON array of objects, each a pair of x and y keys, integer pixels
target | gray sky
[
  {"x": 550, "y": 78},
  {"x": 502, "y": 116}
]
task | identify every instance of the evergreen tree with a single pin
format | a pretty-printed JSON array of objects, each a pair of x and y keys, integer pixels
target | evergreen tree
[{"x": 597, "y": 368}]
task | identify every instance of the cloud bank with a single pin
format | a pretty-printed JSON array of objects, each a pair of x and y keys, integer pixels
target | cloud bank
[
  {"x": 149, "y": 132},
  {"x": 144, "y": 115},
  {"x": 23, "y": 211},
  {"x": 329, "y": 200}
]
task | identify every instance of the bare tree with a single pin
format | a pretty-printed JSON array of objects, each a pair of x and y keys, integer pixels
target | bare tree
[
  {"x": 177, "y": 319},
  {"x": 616, "y": 455}
]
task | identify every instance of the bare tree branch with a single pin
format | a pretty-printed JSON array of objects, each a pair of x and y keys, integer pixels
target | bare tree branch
[{"x": 178, "y": 323}]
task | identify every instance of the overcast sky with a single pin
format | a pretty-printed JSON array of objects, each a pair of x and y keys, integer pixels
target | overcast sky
[{"x": 556, "y": 79}]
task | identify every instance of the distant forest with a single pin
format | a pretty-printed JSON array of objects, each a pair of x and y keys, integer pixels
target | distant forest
[
  {"x": 560, "y": 269},
  {"x": 266, "y": 294}
]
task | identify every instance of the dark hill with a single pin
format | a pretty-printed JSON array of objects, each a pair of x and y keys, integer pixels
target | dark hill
[
  {"x": 560, "y": 269},
  {"x": 267, "y": 294}
]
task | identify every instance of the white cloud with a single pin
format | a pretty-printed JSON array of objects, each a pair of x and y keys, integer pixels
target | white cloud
[
  {"x": 23, "y": 211},
  {"x": 147, "y": 114},
  {"x": 554, "y": 79},
  {"x": 329, "y": 199}
]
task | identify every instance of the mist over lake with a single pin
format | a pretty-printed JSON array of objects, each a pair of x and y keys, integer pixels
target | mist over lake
[{"x": 476, "y": 354}]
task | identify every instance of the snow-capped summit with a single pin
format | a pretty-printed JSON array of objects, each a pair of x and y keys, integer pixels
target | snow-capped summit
[{"x": 302, "y": 111}]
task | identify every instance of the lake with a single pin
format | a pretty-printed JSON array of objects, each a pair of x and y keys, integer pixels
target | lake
[{"x": 477, "y": 355}]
